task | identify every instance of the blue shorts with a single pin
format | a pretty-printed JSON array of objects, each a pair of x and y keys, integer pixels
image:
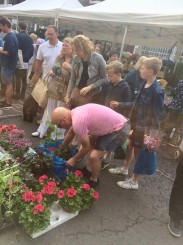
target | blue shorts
[
  {"x": 7, "y": 75},
  {"x": 110, "y": 142}
]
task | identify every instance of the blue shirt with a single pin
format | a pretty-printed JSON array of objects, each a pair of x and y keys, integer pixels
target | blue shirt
[{"x": 11, "y": 46}]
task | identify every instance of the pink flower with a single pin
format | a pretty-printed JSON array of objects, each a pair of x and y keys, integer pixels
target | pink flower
[
  {"x": 95, "y": 195},
  {"x": 38, "y": 208},
  {"x": 29, "y": 196},
  {"x": 86, "y": 187},
  {"x": 39, "y": 197},
  {"x": 42, "y": 178},
  {"x": 51, "y": 149},
  {"x": 78, "y": 173},
  {"x": 71, "y": 192},
  {"x": 61, "y": 194},
  {"x": 49, "y": 188}
]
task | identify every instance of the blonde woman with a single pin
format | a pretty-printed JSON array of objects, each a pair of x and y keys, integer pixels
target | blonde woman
[
  {"x": 87, "y": 67},
  {"x": 61, "y": 72}
]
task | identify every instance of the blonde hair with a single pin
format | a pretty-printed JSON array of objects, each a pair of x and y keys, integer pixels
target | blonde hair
[
  {"x": 115, "y": 66},
  {"x": 33, "y": 36},
  {"x": 153, "y": 63},
  {"x": 84, "y": 44},
  {"x": 67, "y": 40},
  {"x": 139, "y": 62}
]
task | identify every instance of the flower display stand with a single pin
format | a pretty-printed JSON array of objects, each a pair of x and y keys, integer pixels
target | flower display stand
[{"x": 58, "y": 217}]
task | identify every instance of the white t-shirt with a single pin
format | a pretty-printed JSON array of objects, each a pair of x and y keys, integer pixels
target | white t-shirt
[{"x": 48, "y": 54}]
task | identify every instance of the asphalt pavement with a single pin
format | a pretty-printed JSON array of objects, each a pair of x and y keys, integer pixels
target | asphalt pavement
[{"x": 119, "y": 217}]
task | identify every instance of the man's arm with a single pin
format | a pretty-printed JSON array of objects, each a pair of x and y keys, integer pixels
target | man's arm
[
  {"x": 68, "y": 137},
  {"x": 38, "y": 68},
  {"x": 4, "y": 52},
  {"x": 84, "y": 149}
]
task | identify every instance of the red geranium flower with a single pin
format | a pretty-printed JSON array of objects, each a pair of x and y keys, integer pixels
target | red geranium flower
[
  {"x": 78, "y": 173},
  {"x": 29, "y": 196},
  {"x": 95, "y": 195},
  {"x": 38, "y": 208},
  {"x": 71, "y": 192},
  {"x": 42, "y": 178},
  {"x": 39, "y": 197},
  {"x": 61, "y": 194},
  {"x": 49, "y": 188},
  {"x": 51, "y": 149},
  {"x": 86, "y": 187}
]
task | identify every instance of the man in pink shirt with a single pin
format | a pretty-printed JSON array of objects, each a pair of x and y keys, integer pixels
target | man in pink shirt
[{"x": 99, "y": 129}]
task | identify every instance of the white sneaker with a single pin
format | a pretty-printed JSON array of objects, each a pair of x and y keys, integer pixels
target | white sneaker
[
  {"x": 35, "y": 134},
  {"x": 128, "y": 184},
  {"x": 118, "y": 170}
]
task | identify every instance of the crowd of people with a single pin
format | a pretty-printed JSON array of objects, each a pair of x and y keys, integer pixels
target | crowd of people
[{"x": 93, "y": 106}]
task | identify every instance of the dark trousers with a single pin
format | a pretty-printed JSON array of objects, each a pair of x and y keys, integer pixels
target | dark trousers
[
  {"x": 176, "y": 198},
  {"x": 21, "y": 81}
]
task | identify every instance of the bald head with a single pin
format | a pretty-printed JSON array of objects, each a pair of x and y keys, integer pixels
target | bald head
[{"x": 62, "y": 117}]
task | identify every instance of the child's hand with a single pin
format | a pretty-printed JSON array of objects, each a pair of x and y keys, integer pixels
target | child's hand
[
  {"x": 85, "y": 90},
  {"x": 114, "y": 104}
]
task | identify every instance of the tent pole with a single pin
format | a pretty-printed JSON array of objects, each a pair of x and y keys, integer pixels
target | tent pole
[
  {"x": 17, "y": 24},
  {"x": 123, "y": 42}
]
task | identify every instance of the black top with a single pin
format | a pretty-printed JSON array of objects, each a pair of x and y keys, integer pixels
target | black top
[
  {"x": 119, "y": 92},
  {"x": 25, "y": 43},
  {"x": 84, "y": 76}
]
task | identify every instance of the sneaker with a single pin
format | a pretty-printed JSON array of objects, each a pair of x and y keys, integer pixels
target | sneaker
[
  {"x": 118, "y": 170},
  {"x": 3, "y": 104},
  {"x": 92, "y": 183},
  {"x": 128, "y": 184},
  {"x": 104, "y": 164},
  {"x": 174, "y": 228},
  {"x": 35, "y": 134}
]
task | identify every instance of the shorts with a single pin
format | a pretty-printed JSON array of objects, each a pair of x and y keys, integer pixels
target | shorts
[
  {"x": 7, "y": 75},
  {"x": 137, "y": 139},
  {"x": 110, "y": 142}
]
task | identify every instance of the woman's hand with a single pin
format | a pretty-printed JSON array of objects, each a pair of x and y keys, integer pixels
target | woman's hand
[
  {"x": 67, "y": 66},
  {"x": 114, "y": 104},
  {"x": 85, "y": 90},
  {"x": 67, "y": 101},
  {"x": 51, "y": 73}
]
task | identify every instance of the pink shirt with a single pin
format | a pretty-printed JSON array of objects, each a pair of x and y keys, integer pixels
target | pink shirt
[{"x": 94, "y": 119}]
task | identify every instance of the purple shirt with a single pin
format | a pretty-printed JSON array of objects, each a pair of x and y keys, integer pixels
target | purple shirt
[{"x": 94, "y": 119}]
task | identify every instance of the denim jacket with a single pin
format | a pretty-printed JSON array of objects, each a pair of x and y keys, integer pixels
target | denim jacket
[
  {"x": 96, "y": 71},
  {"x": 148, "y": 108}
]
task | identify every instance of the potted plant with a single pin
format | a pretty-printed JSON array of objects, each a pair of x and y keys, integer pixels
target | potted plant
[
  {"x": 75, "y": 194},
  {"x": 39, "y": 163}
]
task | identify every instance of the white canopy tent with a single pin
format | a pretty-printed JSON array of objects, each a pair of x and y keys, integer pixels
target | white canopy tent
[
  {"x": 41, "y": 8},
  {"x": 159, "y": 21}
]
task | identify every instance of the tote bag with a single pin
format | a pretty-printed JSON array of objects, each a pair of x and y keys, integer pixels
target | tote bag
[
  {"x": 146, "y": 163},
  {"x": 40, "y": 92},
  {"x": 20, "y": 63}
]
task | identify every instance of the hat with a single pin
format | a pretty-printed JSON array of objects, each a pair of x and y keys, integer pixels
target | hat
[{"x": 40, "y": 41}]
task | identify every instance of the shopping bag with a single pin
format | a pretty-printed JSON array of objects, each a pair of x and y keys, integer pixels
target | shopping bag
[
  {"x": 20, "y": 63},
  {"x": 40, "y": 92},
  {"x": 146, "y": 163},
  {"x": 56, "y": 89}
]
